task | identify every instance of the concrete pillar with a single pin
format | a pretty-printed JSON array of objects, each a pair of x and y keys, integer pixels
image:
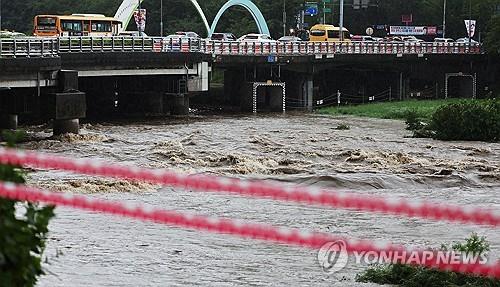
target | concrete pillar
[
  {"x": 308, "y": 93},
  {"x": 179, "y": 105},
  {"x": 276, "y": 99},
  {"x": 66, "y": 126},
  {"x": 8, "y": 121}
]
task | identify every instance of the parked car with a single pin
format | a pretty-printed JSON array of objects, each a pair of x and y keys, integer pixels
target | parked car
[
  {"x": 225, "y": 37},
  {"x": 443, "y": 40},
  {"x": 132, "y": 34},
  {"x": 191, "y": 35},
  {"x": 289, "y": 39},
  {"x": 466, "y": 40},
  {"x": 359, "y": 38},
  {"x": 11, "y": 34},
  {"x": 393, "y": 39},
  {"x": 412, "y": 39},
  {"x": 256, "y": 38}
]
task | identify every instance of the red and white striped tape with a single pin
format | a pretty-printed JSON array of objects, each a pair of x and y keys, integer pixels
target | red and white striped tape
[
  {"x": 305, "y": 195},
  {"x": 247, "y": 230}
]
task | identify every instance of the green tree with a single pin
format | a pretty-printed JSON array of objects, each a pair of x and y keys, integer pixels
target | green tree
[{"x": 22, "y": 238}]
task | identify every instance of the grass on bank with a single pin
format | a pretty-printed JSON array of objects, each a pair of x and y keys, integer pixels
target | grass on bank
[
  {"x": 416, "y": 276},
  {"x": 390, "y": 110}
]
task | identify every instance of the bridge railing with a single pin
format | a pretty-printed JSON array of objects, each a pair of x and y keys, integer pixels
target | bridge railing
[
  {"x": 42, "y": 47},
  {"x": 28, "y": 47},
  {"x": 332, "y": 48}
]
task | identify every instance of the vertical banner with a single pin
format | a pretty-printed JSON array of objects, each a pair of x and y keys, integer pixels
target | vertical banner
[
  {"x": 140, "y": 20},
  {"x": 470, "y": 25}
]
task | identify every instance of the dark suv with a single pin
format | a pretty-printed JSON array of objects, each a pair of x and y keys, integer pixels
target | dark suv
[{"x": 224, "y": 37}]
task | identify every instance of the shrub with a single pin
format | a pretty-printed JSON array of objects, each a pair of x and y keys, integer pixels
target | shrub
[
  {"x": 414, "y": 276},
  {"x": 343, "y": 127},
  {"x": 468, "y": 120},
  {"x": 22, "y": 238}
]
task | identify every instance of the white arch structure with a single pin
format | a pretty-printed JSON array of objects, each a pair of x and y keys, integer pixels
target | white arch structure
[
  {"x": 251, "y": 7},
  {"x": 127, "y": 8}
]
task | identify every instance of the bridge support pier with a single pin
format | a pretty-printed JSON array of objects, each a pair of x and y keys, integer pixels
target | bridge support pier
[
  {"x": 8, "y": 122},
  {"x": 300, "y": 90},
  {"x": 179, "y": 104},
  {"x": 66, "y": 127},
  {"x": 67, "y": 105}
]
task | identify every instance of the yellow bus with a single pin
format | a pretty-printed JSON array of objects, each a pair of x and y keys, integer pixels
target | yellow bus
[
  {"x": 327, "y": 33},
  {"x": 76, "y": 25}
]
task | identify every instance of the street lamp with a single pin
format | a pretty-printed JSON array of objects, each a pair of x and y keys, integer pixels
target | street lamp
[
  {"x": 161, "y": 18},
  {"x": 284, "y": 18},
  {"x": 470, "y": 22},
  {"x": 341, "y": 20},
  {"x": 444, "y": 19}
]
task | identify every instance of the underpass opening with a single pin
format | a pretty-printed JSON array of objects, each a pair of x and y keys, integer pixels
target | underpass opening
[
  {"x": 269, "y": 97},
  {"x": 460, "y": 85}
]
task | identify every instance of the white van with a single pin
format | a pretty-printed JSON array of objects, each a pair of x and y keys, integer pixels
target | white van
[{"x": 443, "y": 40}]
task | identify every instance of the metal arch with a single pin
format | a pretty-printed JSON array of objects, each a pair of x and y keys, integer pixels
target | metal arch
[
  {"x": 127, "y": 8},
  {"x": 251, "y": 7}
]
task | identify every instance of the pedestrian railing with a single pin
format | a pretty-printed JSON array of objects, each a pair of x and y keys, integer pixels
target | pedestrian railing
[
  {"x": 28, "y": 47},
  {"x": 43, "y": 47}
]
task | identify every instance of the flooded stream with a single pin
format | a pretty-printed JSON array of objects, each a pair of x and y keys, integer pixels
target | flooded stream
[{"x": 373, "y": 157}]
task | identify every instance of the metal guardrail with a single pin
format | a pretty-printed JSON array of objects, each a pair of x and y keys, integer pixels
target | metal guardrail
[
  {"x": 43, "y": 47},
  {"x": 28, "y": 47}
]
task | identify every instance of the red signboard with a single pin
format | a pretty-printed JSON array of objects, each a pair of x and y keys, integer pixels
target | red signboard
[{"x": 407, "y": 19}]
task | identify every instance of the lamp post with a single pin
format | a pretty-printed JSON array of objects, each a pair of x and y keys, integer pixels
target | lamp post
[
  {"x": 470, "y": 22},
  {"x": 444, "y": 19},
  {"x": 341, "y": 20},
  {"x": 161, "y": 18},
  {"x": 139, "y": 15},
  {"x": 284, "y": 18}
]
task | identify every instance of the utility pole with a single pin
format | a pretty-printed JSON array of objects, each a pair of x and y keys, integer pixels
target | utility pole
[
  {"x": 139, "y": 14},
  {"x": 444, "y": 19},
  {"x": 284, "y": 18},
  {"x": 341, "y": 20},
  {"x": 324, "y": 13},
  {"x": 470, "y": 22},
  {"x": 161, "y": 18}
]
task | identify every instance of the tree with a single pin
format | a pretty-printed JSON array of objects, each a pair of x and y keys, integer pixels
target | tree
[{"x": 22, "y": 239}]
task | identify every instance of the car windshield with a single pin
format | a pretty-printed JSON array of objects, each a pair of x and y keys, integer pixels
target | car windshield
[
  {"x": 252, "y": 37},
  {"x": 317, "y": 33},
  {"x": 217, "y": 36}
]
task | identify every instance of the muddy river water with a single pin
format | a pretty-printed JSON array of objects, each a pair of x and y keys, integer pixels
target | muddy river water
[{"x": 373, "y": 157}]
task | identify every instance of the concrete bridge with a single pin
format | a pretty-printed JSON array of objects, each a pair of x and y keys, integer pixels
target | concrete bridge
[{"x": 65, "y": 79}]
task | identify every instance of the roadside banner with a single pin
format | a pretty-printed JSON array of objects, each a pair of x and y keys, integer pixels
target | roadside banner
[
  {"x": 140, "y": 20},
  {"x": 470, "y": 26},
  {"x": 412, "y": 30}
]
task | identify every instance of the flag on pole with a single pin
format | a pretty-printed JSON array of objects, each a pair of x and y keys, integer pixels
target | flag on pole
[
  {"x": 470, "y": 25},
  {"x": 140, "y": 20}
]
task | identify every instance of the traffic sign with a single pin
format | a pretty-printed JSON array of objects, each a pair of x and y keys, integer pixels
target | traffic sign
[{"x": 311, "y": 9}]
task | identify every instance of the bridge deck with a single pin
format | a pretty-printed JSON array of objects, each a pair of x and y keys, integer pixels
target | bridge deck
[{"x": 44, "y": 47}]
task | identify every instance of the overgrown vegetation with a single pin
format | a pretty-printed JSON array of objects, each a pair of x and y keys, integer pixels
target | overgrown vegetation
[
  {"x": 416, "y": 276},
  {"x": 464, "y": 120},
  {"x": 467, "y": 120},
  {"x": 390, "y": 110},
  {"x": 343, "y": 127},
  {"x": 22, "y": 237}
]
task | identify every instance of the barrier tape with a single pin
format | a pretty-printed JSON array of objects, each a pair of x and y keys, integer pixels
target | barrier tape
[
  {"x": 269, "y": 233},
  {"x": 304, "y": 195}
]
